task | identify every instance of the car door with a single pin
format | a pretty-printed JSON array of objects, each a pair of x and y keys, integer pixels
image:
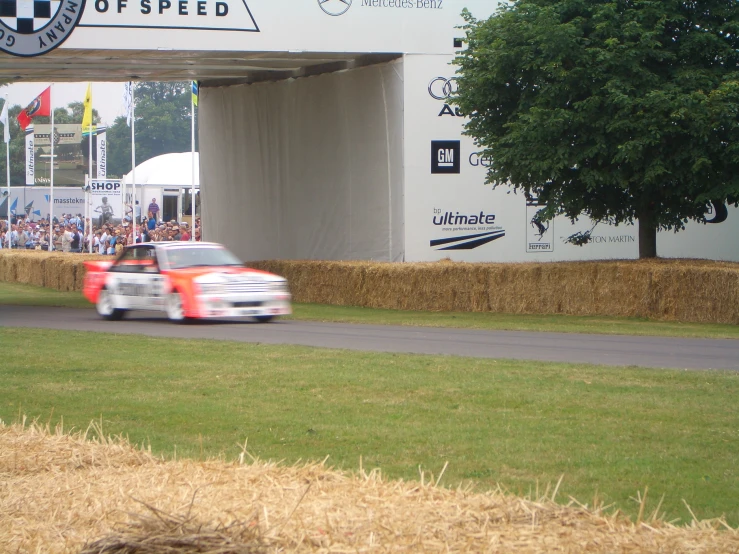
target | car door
[{"x": 135, "y": 280}]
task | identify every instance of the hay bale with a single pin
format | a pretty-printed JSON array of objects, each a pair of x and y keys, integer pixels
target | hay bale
[
  {"x": 65, "y": 494},
  {"x": 678, "y": 290},
  {"x": 674, "y": 290}
]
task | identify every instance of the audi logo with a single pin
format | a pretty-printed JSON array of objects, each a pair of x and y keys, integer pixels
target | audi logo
[{"x": 441, "y": 88}]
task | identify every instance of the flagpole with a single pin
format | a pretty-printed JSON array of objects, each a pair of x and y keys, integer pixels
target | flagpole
[
  {"x": 51, "y": 201},
  {"x": 89, "y": 158},
  {"x": 192, "y": 154},
  {"x": 133, "y": 162},
  {"x": 7, "y": 167},
  {"x": 88, "y": 214}
]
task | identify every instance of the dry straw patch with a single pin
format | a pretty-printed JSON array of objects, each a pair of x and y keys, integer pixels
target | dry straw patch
[{"x": 64, "y": 493}]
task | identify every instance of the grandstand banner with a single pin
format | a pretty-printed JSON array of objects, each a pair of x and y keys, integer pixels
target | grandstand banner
[
  {"x": 30, "y": 156},
  {"x": 106, "y": 197},
  {"x": 102, "y": 155}
]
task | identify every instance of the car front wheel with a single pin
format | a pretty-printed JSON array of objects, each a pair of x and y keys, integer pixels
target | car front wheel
[
  {"x": 106, "y": 308},
  {"x": 175, "y": 310},
  {"x": 264, "y": 318}
]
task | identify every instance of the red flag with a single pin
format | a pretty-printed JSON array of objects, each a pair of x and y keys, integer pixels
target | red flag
[{"x": 41, "y": 106}]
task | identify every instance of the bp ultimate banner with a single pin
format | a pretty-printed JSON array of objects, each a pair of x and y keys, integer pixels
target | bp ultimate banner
[{"x": 450, "y": 212}]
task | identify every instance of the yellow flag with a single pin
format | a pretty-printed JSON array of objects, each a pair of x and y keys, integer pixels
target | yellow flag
[{"x": 87, "y": 117}]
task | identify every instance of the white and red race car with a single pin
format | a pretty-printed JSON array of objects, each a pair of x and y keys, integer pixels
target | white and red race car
[{"x": 185, "y": 280}]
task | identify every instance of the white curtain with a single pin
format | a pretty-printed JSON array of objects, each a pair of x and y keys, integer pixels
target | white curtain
[{"x": 308, "y": 168}]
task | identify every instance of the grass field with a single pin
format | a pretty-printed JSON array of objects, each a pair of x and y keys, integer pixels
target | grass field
[
  {"x": 611, "y": 432},
  {"x": 17, "y": 294}
]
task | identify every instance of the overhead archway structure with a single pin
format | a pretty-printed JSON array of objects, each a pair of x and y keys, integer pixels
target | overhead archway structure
[{"x": 324, "y": 126}]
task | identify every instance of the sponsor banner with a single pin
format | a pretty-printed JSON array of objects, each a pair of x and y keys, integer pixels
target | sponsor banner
[
  {"x": 30, "y": 157},
  {"x": 464, "y": 231},
  {"x": 102, "y": 156},
  {"x": 106, "y": 197},
  {"x": 538, "y": 233},
  {"x": 32, "y": 203},
  {"x": 449, "y": 209},
  {"x": 64, "y": 133}
]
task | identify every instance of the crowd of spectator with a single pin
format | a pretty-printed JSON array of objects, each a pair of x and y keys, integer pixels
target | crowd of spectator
[{"x": 70, "y": 233}]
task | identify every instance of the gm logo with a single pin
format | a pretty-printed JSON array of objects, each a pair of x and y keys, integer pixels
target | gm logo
[{"x": 445, "y": 156}]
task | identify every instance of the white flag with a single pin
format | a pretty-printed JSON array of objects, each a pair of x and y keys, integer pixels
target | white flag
[
  {"x": 4, "y": 121},
  {"x": 128, "y": 101}
]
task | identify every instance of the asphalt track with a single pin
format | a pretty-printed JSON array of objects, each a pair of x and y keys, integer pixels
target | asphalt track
[{"x": 617, "y": 350}]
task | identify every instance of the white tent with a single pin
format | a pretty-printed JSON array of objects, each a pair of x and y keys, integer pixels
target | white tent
[
  {"x": 173, "y": 170},
  {"x": 167, "y": 180}
]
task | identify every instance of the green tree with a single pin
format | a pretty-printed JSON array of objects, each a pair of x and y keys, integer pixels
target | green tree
[
  {"x": 162, "y": 125},
  {"x": 620, "y": 110}
]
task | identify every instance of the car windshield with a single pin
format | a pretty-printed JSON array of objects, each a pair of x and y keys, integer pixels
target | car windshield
[{"x": 182, "y": 258}]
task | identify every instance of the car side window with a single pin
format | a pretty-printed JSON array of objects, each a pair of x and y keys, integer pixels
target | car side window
[{"x": 137, "y": 260}]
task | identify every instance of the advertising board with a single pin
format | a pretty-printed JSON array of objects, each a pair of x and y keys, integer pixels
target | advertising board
[
  {"x": 106, "y": 199},
  {"x": 32, "y": 203},
  {"x": 451, "y": 213}
]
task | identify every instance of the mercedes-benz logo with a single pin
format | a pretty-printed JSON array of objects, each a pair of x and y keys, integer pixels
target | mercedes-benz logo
[
  {"x": 335, "y": 7},
  {"x": 441, "y": 88}
]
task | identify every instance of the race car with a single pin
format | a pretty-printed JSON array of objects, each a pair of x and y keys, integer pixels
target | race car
[{"x": 186, "y": 280}]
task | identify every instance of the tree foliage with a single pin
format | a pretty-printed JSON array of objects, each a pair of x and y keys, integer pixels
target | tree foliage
[
  {"x": 162, "y": 125},
  {"x": 620, "y": 110}
]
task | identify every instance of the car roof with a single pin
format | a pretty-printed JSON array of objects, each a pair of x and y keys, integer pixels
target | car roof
[{"x": 176, "y": 244}]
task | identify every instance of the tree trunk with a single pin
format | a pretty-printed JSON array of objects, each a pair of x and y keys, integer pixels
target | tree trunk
[{"x": 647, "y": 235}]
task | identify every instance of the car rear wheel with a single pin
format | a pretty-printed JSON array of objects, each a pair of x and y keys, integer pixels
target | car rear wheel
[
  {"x": 106, "y": 308},
  {"x": 264, "y": 318},
  {"x": 175, "y": 310}
]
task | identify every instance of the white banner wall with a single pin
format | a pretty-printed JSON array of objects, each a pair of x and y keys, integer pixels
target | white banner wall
[
  {"x": 306, "y": 169},
  {"x": 451, "y": 213}
]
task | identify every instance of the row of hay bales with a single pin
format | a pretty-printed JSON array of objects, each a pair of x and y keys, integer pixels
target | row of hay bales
[
  {"x": 677, "y": 290},
  {"x": 55, "y": 270}
]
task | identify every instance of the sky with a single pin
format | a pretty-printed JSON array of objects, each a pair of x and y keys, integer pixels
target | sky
[{"x": 107, "y": 98}]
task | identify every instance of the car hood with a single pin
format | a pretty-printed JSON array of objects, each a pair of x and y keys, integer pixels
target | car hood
[{"x": 216, "y": 274}]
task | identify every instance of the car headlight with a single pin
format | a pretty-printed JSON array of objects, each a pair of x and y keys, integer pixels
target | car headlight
[{"x": 278, "y": 286}]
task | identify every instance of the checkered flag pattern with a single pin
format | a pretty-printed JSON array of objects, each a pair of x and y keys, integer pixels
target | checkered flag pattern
[{"x": 27, "y": 16}]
